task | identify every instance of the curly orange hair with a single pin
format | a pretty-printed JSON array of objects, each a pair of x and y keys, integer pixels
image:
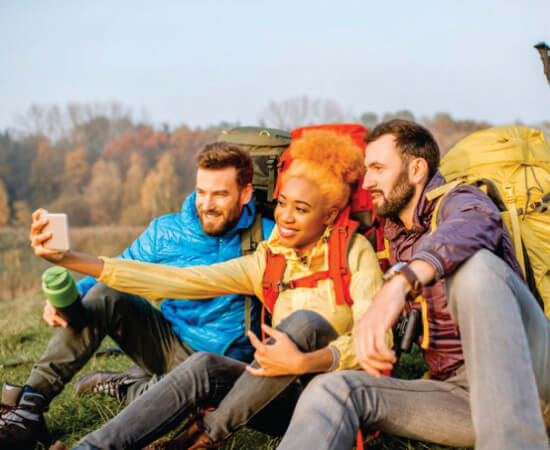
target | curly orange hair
[{"x": 331, "y": 160}]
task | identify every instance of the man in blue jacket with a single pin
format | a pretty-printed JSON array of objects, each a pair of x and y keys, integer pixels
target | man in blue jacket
[{"x": 207, "y": 230}]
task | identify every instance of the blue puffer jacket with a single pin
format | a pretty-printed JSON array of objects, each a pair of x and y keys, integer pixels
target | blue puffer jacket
[{"x": 213, "y": 324}]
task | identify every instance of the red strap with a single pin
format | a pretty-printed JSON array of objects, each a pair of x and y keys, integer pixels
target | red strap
[
  {"x": 273, "y": 274},
  {"x": 337, "y": 257},
  {"x": 359, "y": 445}
]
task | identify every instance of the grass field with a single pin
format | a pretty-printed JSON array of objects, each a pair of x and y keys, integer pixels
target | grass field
[{"x": 23, "y": 337}]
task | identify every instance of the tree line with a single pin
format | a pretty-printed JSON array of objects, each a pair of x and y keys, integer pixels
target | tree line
[{"x": 101, "y": 166}]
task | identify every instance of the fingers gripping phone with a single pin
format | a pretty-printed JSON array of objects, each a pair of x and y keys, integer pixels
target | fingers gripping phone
[{"x": 59, "y": 226}]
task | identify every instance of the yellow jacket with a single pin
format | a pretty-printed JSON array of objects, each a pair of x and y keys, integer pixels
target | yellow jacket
[{"x": 244, "y": 275}]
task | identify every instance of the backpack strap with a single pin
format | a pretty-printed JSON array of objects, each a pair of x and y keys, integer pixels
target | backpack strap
[
  {"x": 273, "y": 274},
  {"x": 338, "y": 246},
  {"x": 338, "y": 269},
  {"x": 250, "y": 238},
  {"x": 512, "y": 212},
  {"x": 440, "y": 192}
]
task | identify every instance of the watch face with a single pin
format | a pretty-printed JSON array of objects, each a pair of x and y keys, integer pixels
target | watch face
[{"x": 393, "y": 270}]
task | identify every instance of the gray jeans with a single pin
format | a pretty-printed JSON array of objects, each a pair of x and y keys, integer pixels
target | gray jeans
[
  {"x": 208, "y": 380},
  {"x": 492, "y": 402},
  {"x": 135, "y": 325}
]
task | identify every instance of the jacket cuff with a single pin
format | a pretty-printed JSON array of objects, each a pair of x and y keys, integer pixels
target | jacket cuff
[
  {"x": 433, "y": 260},
  {"x": 335, "y": 358},
  {"x": 107, "y": 271}
]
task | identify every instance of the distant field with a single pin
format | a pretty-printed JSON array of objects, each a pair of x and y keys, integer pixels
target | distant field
[{"x": 20, "y": 270}]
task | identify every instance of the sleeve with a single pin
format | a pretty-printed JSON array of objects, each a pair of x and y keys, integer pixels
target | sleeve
[
  {"x": 366, "y": 281},
  {"x": 154, "y": 281},
  {"x": 468, "y": 221},
  {"x": 142, "y": 249}
]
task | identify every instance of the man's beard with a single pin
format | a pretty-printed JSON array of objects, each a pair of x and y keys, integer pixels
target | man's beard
[
  {"x": 399, "y": 196},
  {"x": 219, "y": 228}
]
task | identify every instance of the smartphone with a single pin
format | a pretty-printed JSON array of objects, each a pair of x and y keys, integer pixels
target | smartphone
[{"x": 59, "y": 226}]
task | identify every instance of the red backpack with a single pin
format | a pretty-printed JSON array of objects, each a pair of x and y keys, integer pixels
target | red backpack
[{"x": 358, "y": 216}]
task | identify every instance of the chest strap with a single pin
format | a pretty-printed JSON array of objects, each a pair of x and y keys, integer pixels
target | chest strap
[{"x": 338, "y": 269}]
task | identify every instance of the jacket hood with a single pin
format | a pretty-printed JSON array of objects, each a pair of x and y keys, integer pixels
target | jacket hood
[{"x": 190, "y": 216}]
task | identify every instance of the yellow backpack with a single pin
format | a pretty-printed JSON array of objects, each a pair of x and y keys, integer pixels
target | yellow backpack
[{"x": 512, "y": 165}]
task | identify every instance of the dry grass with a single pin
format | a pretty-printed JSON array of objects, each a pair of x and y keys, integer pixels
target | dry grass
[{"x": 20, "y": 270}]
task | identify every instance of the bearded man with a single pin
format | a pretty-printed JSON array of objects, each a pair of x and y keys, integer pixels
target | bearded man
[
  {"x": 484, "y": 337},
  {"x": 206, "y": 231}
]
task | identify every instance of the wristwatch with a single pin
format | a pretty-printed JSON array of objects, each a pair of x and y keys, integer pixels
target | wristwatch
[{"x": 404, "y": 269}]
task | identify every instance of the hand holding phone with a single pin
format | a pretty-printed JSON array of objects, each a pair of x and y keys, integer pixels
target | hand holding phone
[{"x": 59, "y": 226}]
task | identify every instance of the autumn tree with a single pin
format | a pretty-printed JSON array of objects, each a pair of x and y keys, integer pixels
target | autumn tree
[
  {"x": 21, "y": 214},
  {"x": 448, "y": 131},
  {"x": 146, "y": 142},
  {"x": 77, "y": 170},
  {"x": 160, "y": 190},
  {"x": 185, "y": 143},
  {"x": 46, "y": 173},
  {"x": 103, "y": 193},
  {"x": 132, "y": 212},
  {"x": 4, "y": 205}
]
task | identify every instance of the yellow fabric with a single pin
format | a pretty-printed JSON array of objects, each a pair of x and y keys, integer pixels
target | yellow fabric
[
  {"x": 244, "y": 275},
  {"x": 517, "y": 160}
]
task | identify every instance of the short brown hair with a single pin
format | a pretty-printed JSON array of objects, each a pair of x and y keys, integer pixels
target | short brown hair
[
  {"x": 220, "y": 155},
  {"x": 412, "y": 139}
]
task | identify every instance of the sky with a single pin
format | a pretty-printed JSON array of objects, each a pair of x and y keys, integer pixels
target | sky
[{"x": 203, "y": 62}]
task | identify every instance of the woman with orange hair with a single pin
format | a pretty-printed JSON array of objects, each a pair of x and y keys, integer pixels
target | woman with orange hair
[{"x": 313, "y": 323}]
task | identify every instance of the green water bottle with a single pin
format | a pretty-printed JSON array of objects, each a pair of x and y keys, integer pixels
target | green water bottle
[{"x": 60, "y": 288}]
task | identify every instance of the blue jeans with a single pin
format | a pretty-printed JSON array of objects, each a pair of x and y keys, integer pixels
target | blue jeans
[
  {"x": 208, "y": 380},
  {"x": 493, "y": 402}
]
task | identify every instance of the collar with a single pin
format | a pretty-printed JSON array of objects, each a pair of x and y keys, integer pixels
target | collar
[{"x": 276, "y": 247}]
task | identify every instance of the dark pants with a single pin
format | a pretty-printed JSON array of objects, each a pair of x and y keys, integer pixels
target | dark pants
[
  {"x": 132, "y": 322},
  {"x": 205, "y": 380}
]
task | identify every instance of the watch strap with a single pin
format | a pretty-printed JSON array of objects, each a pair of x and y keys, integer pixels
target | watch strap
[{"x": 414, "y": 282}]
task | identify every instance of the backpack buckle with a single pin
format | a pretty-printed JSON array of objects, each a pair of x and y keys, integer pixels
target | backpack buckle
[{"x": 285, "y": 286}]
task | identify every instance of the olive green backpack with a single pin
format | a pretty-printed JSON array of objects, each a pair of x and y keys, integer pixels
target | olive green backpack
[{"x": 265, "y": 146}]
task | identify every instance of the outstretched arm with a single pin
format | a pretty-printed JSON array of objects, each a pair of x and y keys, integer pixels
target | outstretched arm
[{"x": 154, "y": 281}]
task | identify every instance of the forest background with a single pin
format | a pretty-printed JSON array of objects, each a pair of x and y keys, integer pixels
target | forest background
[{"x": 105, "y": 168}]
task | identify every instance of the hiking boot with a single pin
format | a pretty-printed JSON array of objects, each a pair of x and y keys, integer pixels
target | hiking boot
[
  {"x": 10, "y": 397},
  {"x": 22, "y": 424},
  {"x": 115, "y": 384},
  {"x": 192, "y": 435}
]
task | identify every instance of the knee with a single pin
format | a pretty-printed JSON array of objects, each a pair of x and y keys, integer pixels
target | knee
[
  {"x": 308, "y": 329},
  {"x": 200, "y": 359},
  {"x": 101, "y": 294},
  {"x": 480, "y": 272},
  {"x": 326, "y": 384}
]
